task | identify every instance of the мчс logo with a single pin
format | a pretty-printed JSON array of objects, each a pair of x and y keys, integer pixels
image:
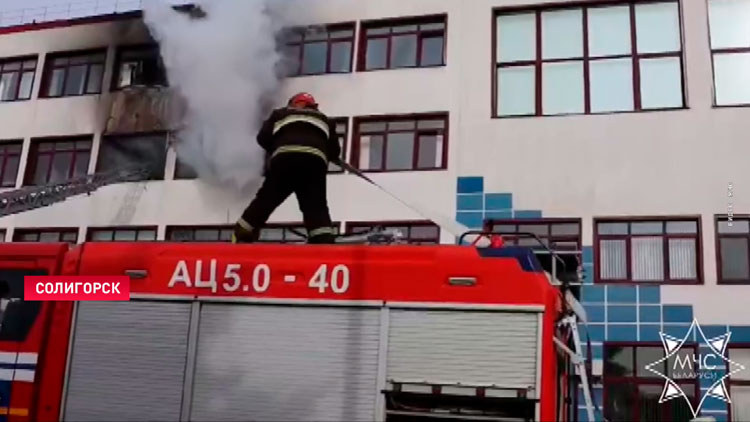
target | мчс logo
[{"x": 711, "y": 364}]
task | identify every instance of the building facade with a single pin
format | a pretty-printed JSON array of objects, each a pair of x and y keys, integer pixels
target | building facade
[{"x": 617, "y": 128}]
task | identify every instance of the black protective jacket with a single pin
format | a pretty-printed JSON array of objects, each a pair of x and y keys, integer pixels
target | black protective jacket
[{"x": 299, "y": 130}]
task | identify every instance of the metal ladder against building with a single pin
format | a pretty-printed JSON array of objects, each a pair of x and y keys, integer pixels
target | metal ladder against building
[
  {"x": 570, "y": 322},
  {"x": 33, "y": 197}
]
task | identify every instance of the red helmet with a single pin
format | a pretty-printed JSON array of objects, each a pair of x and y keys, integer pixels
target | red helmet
[{"x": 303, "y": 99}]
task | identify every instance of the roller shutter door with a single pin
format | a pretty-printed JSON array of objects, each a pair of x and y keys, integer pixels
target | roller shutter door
[
  {"x": 128, "y": 361},
  {"x": 285, "y": 363},
  {"x": 473, "y": 348}
]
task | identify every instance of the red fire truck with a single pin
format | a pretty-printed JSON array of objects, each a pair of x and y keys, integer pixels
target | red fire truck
[{"x": 288, "y": 332}]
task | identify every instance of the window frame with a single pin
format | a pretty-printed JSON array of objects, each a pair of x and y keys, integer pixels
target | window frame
[
  {"x": 123, "y": 137},
  {"x": 721, "y": 51},
  {"x": 396, "y": 223},
  {"x": 329, "y": 27},
  {"x": 49, "y": 68},
  {"x": 368, "y": 24},
  {"x": 60, "y": 231},
  {"x": 635, "y": 379},
  {"x": 20, "y": 71},
  {"x": 138, "y": 229},
  {"x": 666, "y": 236},
  {"x": 121, "y": 50},
  {"x": 223, "y": 227},
  {"x": 5, "y": 155},
  {"x": 717, "y": 245},
  {"x": 578, "y": 238},
  {"x": 729, "y": 382},
  {"x": 34, "y": 153},
  {"x": 389, "y": 118},
  {"x": 344, "y": 144},
  {"x": 585, "y": 58}
]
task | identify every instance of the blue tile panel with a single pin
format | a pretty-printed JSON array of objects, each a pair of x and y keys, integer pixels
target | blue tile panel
[
  {"x": 595, "y": 313},
  {"x": 622, "y": 332},
  {"x": 739, "y": 334},
  {"x": 472, "y": 220},
  {"x": 588, "y": 255},
  {"x": 521, "y": 214},
  {"x": 649, "y": 313},
  {"x": 621, "y": 294},
  {"x": 712, "y": 331},
  {"x": 471, "y": 202},
  {"x": 498, "y": 215},
  {"x": 588, "y": 274},
  {"x": 470, "y": 184},
  {"x": 597, "y": 332},
  {"x": 649, "y": 294},
  {"x": 678, "y": 331},
  {"x": 677, "y": 313},
  {"x": 498, "y": 201},
  {"x": 649, "y": 332},
  {"x": 592, "y": 294},
  {"x": 622, "y": 313}
]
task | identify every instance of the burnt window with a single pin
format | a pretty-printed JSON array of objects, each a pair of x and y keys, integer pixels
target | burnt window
[
  {"x": 73, "y": 74},
  {"x": 55, "y": 161},
  {"x": 733, "y": 249},
  {"x": 418, "y": 42},
  {"x": 17, "y": 78},
  {"x": 10, "y": 156},
  {"x": 65, "y": 235},
  {"x": 183, "y": 171},
  {"x": 632, "y": 392},
  {"x": 122, "y": 234},
  {"x": 398, "y": 143},
  {"x": 412, "y": 232},
  {"x": 600, "y": 58},
  {"x": 342, "y": 134},
  {"x": 18, "y": 315},
  {"x": 557, "y": 234},
  {"x": 648, "y": 250},
  {"x": 134, "y": 151},
  {"x": 139, "y": 66},
  {"x": 318, "y": 50}
]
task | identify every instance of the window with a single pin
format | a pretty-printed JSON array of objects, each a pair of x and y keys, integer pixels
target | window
[
  {"x": 122, "y": 234},
  {"x": 342, "y": 131},
  {"x": 271, "y": 233},
  {"x": 739, "y": 384},
  {"x": 593, "y": 59},
  {"x": 183, "y": 171},
  {"x": 17, "y": 315},
  {"x": 555, "y": 234},
  {"x": 648, "y": 250},
  {"x": 17, "y": 78},
  {"x": 401, "y": 143},
  {"x": 140, "y": 65},
  {"x": 57, "y": 161},
  {"x": 407, "y": 43},
  {"x": 632, "y": 393},
  {"x": 200, "y": 234},
  {"x": 319, "y": 50},
  {"x": 413, "y": 232},
  {"x": 133, "y": 151},
  {"x": 730, "y": 48},
  {"x": 10, "y": 156},
  {"x": 72, "y": 74},
  {"x": 69, "y": 235},
  {"x": 733, "y": 250}
]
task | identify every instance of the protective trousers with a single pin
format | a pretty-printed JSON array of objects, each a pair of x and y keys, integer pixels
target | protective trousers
[{"x": 303, "y": 174}]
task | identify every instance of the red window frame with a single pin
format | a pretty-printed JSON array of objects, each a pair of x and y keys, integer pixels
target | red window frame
[
  {"x": 666, "y": 236},
  {"x": 113, "y": 231},
  {"x": 81, "y": 150},
  {"x": 358, "y": 227},
  {"x": 635, "y": 380},
  {"x": 738, "y": 382},
  {"x": 9, "y": 150},
  {"x": 381, "y": 26},
  {"x": 390, "y": 119},
  {"x": 62, "y": 233},
  {"x": 91, "y": 58},
  {"x": 7, "y": 65},
  {"x": 719, "y": 236},
  {"x": 139, "y": 48},
  {"x": 723, "y": 51},
  {"x": 308, "y": 35},
  {"x": 585, "y": 58},
  {"x": 550, "y": 238}
]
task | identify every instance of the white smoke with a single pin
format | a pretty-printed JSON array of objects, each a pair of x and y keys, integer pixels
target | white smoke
[{"x": 224, "y": 68}]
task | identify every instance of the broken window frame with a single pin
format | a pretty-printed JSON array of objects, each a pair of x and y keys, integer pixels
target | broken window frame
[
  {"x": 159, "y": 170},
  {"x": 141, "y": 48}
]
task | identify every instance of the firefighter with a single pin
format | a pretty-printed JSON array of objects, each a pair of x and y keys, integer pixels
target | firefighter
[{"x": 299, "y": 141}]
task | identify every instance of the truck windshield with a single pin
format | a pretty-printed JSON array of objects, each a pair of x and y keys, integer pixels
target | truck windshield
[{"x": 16, "y": 315}]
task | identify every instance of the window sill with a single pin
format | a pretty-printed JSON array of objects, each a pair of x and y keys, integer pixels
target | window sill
[
  {"x": 733, "y": 282},
  {"x": 308, "y": 75},
  {"x": 730, "y": 106},
  {"x": 610, "y": 113},
  {"x": 403, "y": 171},
  {"x": 19, "y": 100},
  {"x": 437, "y": 66},
  {"x": 68, "y": 96}
]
